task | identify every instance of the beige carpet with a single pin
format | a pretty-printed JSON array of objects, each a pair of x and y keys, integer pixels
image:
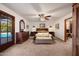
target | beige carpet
[{"x": 28, "y": 48}]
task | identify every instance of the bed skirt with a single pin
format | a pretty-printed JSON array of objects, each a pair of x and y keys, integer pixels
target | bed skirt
[{"x": 44, "y": 41}]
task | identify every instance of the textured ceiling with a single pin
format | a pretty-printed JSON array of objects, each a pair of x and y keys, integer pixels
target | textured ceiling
[{"x": 30, "y": 11}]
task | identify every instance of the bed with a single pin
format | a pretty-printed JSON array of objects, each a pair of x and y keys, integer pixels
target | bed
[{"x": 43, "y": 36}]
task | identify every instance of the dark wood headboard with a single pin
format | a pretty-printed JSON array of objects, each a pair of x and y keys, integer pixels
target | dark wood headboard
[{"x": 42, "y": 29}]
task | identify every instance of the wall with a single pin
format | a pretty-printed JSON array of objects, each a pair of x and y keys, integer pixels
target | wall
[
  {"x": 17, "y": 17},
  {"x": 60, "y": 32},
  {"x": 36, "y": 24}
]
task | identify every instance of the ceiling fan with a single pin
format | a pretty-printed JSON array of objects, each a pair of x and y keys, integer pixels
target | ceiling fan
[
  {"x": 40, "y": 16},
  {"x": 44, "y": 17}
]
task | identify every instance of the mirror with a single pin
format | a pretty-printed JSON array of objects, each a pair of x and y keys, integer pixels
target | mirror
[
  {"x": 42, "y": 25},
  {"x": 22, "y": 25}
]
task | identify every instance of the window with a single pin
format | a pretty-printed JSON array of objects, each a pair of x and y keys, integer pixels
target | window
[{"x": 6, "y": 28}]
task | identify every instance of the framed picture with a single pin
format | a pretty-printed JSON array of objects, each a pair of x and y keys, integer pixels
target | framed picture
[
  {"x": 57, "y": 26},
  {"x": 27, "y": 26},
  {"x": 42, "y": 25},
  {"x": 33, "y": 26}
]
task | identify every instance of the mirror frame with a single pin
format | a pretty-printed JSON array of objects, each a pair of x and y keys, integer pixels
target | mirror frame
[{"x": 20, "y": 24}]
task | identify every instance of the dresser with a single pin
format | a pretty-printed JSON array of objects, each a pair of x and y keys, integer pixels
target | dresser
[{"x": 21, "y": 37}]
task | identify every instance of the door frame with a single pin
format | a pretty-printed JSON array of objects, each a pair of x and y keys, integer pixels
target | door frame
[
  {"x": 75, "y": 38},
  {"x": 65, "y": 37}
]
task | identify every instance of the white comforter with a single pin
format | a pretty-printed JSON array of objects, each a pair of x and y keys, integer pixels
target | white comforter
[{"x": 43, "y": 36}]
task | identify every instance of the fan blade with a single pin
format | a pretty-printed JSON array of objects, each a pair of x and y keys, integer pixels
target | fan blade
[{"x": 46, "y": 18}]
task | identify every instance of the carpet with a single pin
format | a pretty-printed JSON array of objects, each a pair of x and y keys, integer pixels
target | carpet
[{"x": 28, "y": 48}]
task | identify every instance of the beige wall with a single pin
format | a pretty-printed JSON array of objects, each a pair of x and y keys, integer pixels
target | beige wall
[
  {"x": 60, "y": 32},
  {"x": 36, "y": 24},
  {"x": 17, "y": 17}
]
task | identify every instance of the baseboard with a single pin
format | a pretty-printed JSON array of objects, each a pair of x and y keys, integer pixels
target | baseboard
[{"x": 59, "y": 38}]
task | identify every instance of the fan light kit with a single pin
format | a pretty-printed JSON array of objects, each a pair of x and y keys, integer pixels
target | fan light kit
[{"x": 42, "y": 17}]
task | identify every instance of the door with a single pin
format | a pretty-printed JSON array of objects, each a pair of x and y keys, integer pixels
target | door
[
  {"x": 75, "y": 30},
  {"x": 6, "y": 30}
]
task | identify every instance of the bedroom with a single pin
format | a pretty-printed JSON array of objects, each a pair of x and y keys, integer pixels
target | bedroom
[{"x": 32, "y": 18}]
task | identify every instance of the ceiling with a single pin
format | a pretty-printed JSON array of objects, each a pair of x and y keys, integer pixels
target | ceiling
[{"x": 30, "y": 11}]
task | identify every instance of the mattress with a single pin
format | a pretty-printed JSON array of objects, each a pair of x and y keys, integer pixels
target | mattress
[{"x": 44, "y": 38}]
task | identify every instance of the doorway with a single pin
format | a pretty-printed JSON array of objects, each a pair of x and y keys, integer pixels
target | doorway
[{"x": 67, "y": 29}]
